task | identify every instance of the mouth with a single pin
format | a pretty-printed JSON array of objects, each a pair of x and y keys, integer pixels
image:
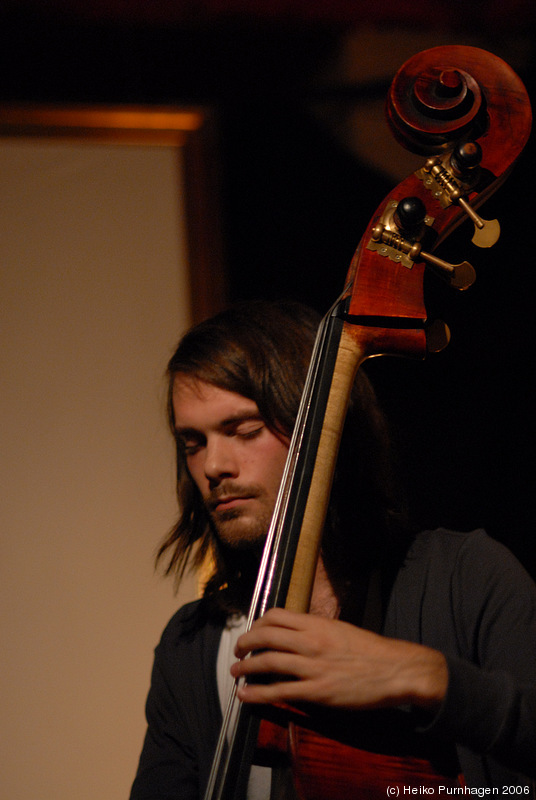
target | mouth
[{"x": 232, "y": 501}]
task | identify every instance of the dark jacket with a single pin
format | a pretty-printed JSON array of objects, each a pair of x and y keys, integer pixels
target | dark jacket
[{"x": 462, "y": 594}]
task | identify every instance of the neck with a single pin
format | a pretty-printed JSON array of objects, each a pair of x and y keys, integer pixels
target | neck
[{"x": 324, "y": 602}]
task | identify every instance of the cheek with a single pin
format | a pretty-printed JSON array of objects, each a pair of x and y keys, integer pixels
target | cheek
[
  {"x": 197, "y": 473},
  {"x": 273, "y": 462}
]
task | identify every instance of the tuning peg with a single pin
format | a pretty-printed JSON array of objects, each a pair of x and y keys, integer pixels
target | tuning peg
[
  {"x": 459, "y": 276},
  {"x": 487, "y": 231},
  {"x": 437, "y": 336},
  {"x": 465, "y": 158},
  {"x": 444, "y": 177},
  {"x": 409, "y": 214}
]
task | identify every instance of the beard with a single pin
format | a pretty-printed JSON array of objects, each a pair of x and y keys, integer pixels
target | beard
[
  {"x": 245, "y": 526},
  {"x": 238, "y": 533}
]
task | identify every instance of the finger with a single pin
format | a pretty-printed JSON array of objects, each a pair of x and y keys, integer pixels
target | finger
[
  {"x": 284, "y": 691},
  {"x": 265, "y": 638},
  {"x": 284, "y": 618},
  {"x": 270, "y": 637},
  {"x": 281, "y": 692},
  {"x": 288, "y": 623},
  {"x": 271, "y": 663}
]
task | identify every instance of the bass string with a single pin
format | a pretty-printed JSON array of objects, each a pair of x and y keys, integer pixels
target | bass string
[{"x": 269, "y": 560}]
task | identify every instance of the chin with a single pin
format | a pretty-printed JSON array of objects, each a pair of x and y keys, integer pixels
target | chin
[{"x": 241, "y": 534}]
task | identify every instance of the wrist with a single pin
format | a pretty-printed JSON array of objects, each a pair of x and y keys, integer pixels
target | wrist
[
  {"x": 422, "y": 677},
  {"x": 429, "y": 679}
]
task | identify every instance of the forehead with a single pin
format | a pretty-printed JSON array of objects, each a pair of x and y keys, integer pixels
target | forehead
[{"x": 197, "y": 403}]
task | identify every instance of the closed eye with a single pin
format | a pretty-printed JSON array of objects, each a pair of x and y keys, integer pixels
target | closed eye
[
  {"x": 246, "y": 429},
  {"x": 189, "y": 445},
  {"x": 191, "y": 440}
]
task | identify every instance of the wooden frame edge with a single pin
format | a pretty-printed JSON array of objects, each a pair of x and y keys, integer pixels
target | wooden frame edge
[{"x": 190, "y": 129}]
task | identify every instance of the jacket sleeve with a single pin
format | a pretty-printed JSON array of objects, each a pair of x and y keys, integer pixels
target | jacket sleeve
[
  {"x": 183, "y": 712},
  {"x": 490, "y": 703},
  {"x": 168, "y": 766}
]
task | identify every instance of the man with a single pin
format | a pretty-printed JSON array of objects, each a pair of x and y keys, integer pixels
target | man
[{"x": 439, "y": 627}]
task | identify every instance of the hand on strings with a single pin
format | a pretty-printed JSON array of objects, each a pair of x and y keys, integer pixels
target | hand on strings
[{"x": 333, "y": 663}]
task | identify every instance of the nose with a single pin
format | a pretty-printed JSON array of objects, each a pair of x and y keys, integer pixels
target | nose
[{"x": 220, "y": 460}]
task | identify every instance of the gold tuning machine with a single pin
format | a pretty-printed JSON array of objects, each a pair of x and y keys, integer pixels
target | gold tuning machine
[
  {"x": 410, "y": 215},
  {"x": 450, "y": 178}
]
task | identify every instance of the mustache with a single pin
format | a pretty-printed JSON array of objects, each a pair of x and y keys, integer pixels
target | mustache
[{"x": 231, "y": 490}]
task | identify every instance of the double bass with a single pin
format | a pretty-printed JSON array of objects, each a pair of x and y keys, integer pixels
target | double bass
[{"x": 467, "y": 114}]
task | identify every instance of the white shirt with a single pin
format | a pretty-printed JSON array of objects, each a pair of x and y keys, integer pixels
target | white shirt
[{"x": 260, "y": 777}]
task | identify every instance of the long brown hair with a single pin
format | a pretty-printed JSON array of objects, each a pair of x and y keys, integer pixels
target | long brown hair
[{"x": 261, "y": 350}]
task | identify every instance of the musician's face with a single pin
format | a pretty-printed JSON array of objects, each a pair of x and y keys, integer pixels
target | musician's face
[{"x": 233, "y": 457}]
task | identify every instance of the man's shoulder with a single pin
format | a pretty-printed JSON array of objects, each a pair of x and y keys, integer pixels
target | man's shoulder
[
  {"x": 447, "y": 544},
  {"x": 473, "y": 557},
  {"x": 184, "y": 615},
  {"x": 190, "y": 623},
  {"x": 435, "y": 556}
]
